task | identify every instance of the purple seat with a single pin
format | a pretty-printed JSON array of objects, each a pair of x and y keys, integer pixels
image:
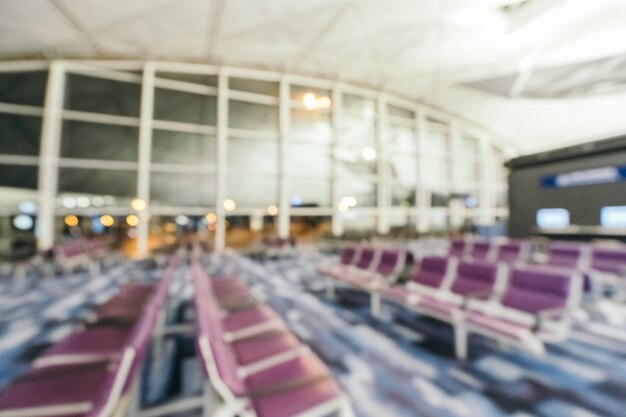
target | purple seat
[
  {"x": 249, "y": 317},
  {"x": 257, "y": 348},
  {"x": 290, "y": 387},
  {"x": 388, "y": 267},
  {"x": 350, "y": 255},
  {"x": 481, "y": 250},
  {"x": 610, "y": 260},
  {"x": 86, "y": 390},
  {"x": 430, "y": 274},
  {"x": 512, "y": 252},
  {"x": 535, "y": 307},
  {"x": 566, "y": 254},
  {"x": 458, "y": 248},
  {"x": 475, "y": 278},
  {"x": 50, "y": 390},
  {"x": 534, "y": 288},
  {"x": 89, "y": 345},
  {"x": 366, "y": 260}
]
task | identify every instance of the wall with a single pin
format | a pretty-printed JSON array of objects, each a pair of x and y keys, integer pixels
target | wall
[{"x": 527, "y": 195}]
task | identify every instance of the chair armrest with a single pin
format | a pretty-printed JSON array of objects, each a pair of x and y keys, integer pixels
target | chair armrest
[
  {"x": 475, "y": 295},
  {"x": 547, "y": 314}
]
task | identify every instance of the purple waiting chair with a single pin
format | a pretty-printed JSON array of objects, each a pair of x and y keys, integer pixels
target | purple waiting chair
[{"x": 536, "y": 307}]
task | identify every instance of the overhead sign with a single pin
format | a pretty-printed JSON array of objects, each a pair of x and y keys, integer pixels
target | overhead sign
[{"x": 594, "y": 176}]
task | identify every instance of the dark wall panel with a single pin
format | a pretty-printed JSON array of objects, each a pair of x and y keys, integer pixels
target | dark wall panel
[{"x": 527, "y": 195}]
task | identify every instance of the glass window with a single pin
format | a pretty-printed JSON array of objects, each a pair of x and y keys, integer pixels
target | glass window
[
  {"x": 403, "y": 168},
  {"x": 86, "y": 140},
  {"x": 183, "y": 148},
  {"x": 250, "y": 157},
  {"x": 20, "y": 135},
  {"x": 180, "y": 106},
  {"x": 400, "y": 112},
  {"x": 252, "y": 191},
  {"x": 310, "y": 125},
  {"x": 298, "y": 92},
  {"x": 436, "y": 169},
  {"x": 308, "y": 160},
  {"x": 210, "y": 80},
  {"x": 252, "y": 116},
  {"x": 100, "y": 95},
  {"x": 98, "y": 181},
  {"x": 402, "y": 139},
  {"x": 310, "y": 192},
  {"x": 19, "y": 176},
  {"x": 182, "y": 190},
  {"x": 357, "y": 129},
  {"x": 364, "y": 106},
  {"x": 402, "y": 196},
  {"x": 269, "y": 88},
  {"x": 28, "y": 88},
  {"x": 351, "y": 161},
  {"x": 362, "y": 189}
]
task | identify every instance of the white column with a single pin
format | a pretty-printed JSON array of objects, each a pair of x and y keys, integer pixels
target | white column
[
  {"x": 337, "y": 223},
  {"x": 284, "y": 113},
  {"x": 49, "y": 155},
  {"x": 422, "y": 193},
  {"x": 383, "y": 195},
  {"x": 455, "y": 156},
  {"x": 220, "y": 177},
  {"x": 487, "y": 181},
  {"x": 145, "y": 156}
]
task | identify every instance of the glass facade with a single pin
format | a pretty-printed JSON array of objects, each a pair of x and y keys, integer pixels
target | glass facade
[{"x": 286, "y": 144}]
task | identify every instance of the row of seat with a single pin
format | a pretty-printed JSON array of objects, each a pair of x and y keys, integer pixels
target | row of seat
[
  {"x": 510, "y": 251},
  {"x": 93, "y": 371},
  {"x": 577, "y": 255},
  {"x": 521, "y": 305},
  {"x": 254, "y": 363}
]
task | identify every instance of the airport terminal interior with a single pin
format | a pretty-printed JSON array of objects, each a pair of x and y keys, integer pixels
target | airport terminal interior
[{"x": 332, "y": 208}]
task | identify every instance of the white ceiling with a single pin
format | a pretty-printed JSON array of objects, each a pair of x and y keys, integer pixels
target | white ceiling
[{"x": 542, "y": 73}]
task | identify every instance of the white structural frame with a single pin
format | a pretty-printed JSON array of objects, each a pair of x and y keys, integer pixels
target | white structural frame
[{"x": 53, "y": 114}]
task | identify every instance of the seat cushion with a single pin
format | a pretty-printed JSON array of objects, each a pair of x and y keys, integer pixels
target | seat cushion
[
  {"x": 252, "y": 316},
  {"x": 257, "y": 348},
  {"x": 297, "y": 400},
  {"x": 302, "y": 368},
  {"x": 79, "y": 385},
  {"x": 103, "y": 342}
]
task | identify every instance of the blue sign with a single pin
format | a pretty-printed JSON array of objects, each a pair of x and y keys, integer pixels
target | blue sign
[{"x": 594, "y": 176}]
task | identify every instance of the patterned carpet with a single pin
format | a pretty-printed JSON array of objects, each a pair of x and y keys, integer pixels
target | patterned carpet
[{"x": 404, "y": 365}]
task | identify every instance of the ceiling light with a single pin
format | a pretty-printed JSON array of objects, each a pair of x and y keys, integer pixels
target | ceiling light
[
  {"x": 82, "y": 201},
  {"x": 107, "y": 221},
  {"x": 71, "y": 220},
  {"x": 310, "y": 101},
  {"x": 349, "y": 201},
  {"x": 342, "y": 207},
  {"x": 211, "y": 218},
  {"x": 138, "y": 204},
  {"x": 28, "y": 207},
  {"x": 182, "y": 220},
  {"x": 229, "y": 205},
  {"x": 132, "y": 220},
  {"x": 323, "y": 102},
  {"x": 23, "y": 222},
  {"x": 272, "y": 210},
  {"x": 369, "y": 154},
  {"x": 69, "y": 202}
]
